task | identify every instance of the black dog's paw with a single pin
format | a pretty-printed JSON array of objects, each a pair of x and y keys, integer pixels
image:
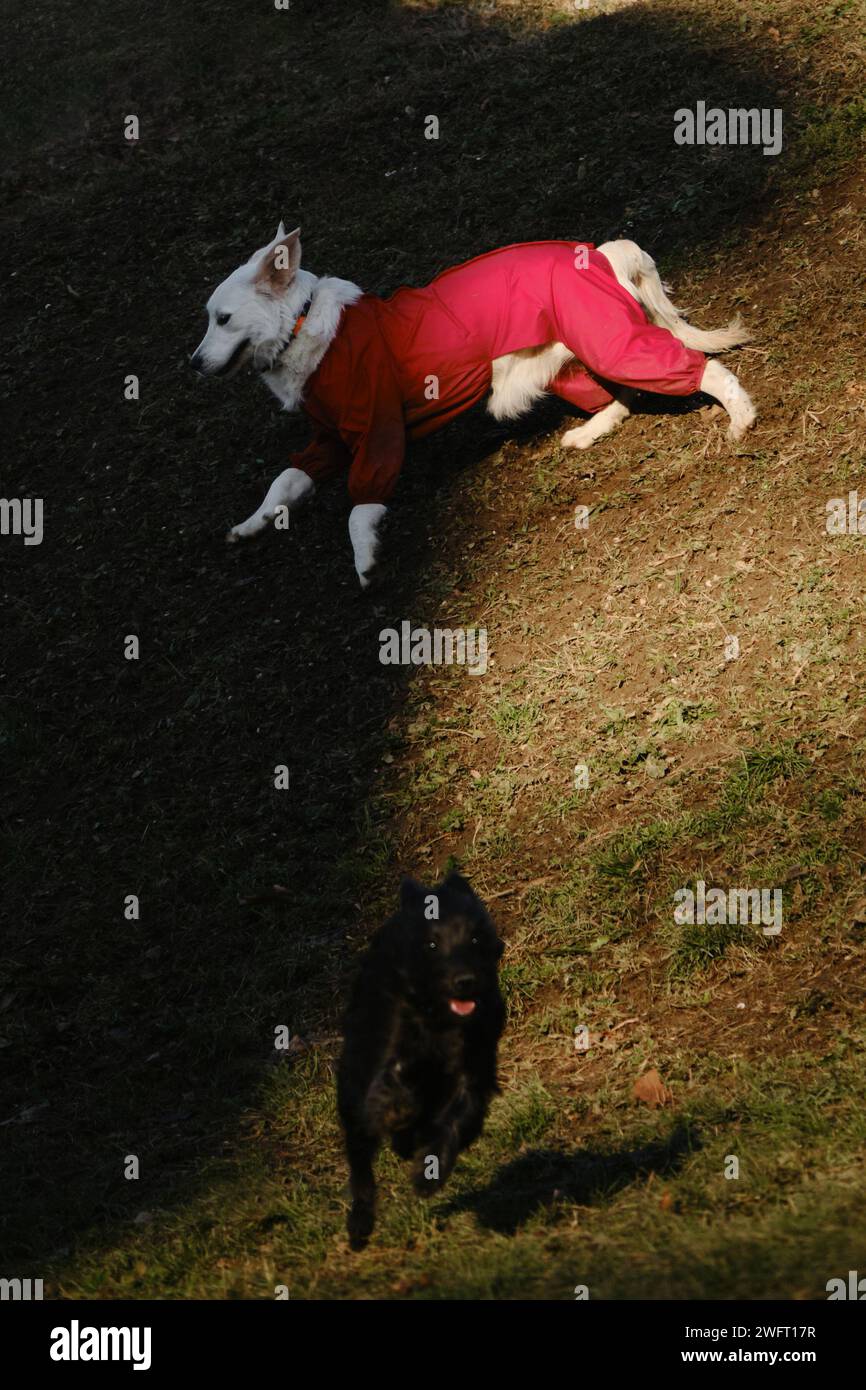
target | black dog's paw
[
  {"x": 425, "y": 1187},
  {"x": 428, "y": 1175},
  {"x": 360, "y": 1224}
]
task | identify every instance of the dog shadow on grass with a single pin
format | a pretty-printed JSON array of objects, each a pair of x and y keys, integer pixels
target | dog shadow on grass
[{"x": 543, "y": 1179}]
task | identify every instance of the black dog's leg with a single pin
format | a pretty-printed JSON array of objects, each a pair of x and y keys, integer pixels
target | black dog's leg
[
  {"x": 389, "y": 1104},
  {"x": 404, "y": 1142},
  {"x": 361, "y": 1150},
  {"x": 454, "y": 1130}
]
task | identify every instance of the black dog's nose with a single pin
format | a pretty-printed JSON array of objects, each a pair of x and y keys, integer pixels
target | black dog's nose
[{"x": 464, "y": 983}]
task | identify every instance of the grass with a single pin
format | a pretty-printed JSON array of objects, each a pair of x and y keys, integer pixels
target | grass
[
  {"x": 156, "y": 1037},
  {"x": 645, "y": 1193}
]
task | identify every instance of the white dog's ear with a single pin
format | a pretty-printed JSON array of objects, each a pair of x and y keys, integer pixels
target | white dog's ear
[{"x": 279, "y": 262}]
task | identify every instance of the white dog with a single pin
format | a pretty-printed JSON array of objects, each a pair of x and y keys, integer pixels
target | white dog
[{"x": 591, "y": 326}]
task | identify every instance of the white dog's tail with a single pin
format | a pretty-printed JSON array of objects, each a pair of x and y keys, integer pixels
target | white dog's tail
[{"x": 636, "y": 272}]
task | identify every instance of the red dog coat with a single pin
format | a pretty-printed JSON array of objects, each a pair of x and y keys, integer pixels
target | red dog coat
[{"x": 404, "y": 366}]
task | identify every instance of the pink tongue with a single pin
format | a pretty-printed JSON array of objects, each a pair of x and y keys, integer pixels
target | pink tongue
[{"x": 463, "y": 1007}]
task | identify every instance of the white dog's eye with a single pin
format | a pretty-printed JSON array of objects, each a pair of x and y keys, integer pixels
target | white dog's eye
[{"x": 222, "y": 319}]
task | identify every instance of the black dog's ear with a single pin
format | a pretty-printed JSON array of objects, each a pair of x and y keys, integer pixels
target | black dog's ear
[
  {"x": 412, "y": 895},
  {"x": 458, "y": 884}
]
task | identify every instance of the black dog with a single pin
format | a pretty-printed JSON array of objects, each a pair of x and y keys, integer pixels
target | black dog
[{"x": 420, "y": 1036}]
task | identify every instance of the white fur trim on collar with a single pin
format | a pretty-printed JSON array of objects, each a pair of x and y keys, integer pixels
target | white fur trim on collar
[{"x": 290, "y": 374}]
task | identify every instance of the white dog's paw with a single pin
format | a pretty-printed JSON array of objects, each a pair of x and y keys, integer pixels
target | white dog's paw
[
  {"x": 724, "y": 387},
  {"x": 365, "y": 521},
  {"x": 581, "y": 438},
  {"x": 292, "y": 488},
  {"x": 247, "y": 529},
  {"x": 743, "y": 417},
  {"x": 604, "y": 422}
]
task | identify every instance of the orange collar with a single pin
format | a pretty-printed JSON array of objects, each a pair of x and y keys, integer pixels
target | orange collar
[
  {"x": 301, "y": 319},
  {"x": 295, "y": 330}
]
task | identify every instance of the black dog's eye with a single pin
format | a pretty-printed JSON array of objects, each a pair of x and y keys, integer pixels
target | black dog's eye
[
  {"x": 432, "y": 945},
  {"x": 222, "y": 319},
  {"x": 475, "y": 941}
]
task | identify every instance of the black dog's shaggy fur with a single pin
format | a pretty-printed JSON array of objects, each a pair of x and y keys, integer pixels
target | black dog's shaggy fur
[{"x": 420, "y": 1035}]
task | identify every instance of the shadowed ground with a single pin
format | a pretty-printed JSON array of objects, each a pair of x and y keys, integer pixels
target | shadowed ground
[{"x": 155, "y": 777}]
